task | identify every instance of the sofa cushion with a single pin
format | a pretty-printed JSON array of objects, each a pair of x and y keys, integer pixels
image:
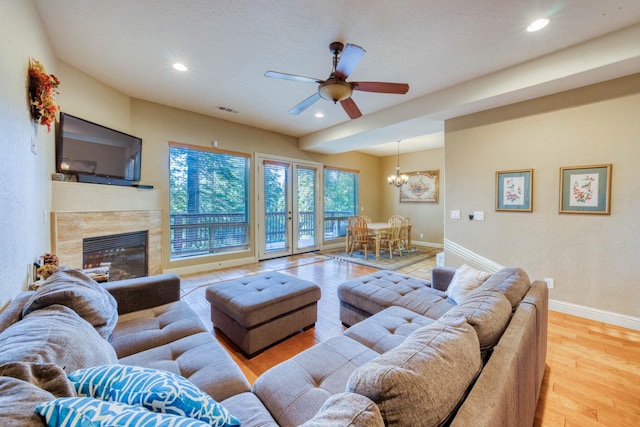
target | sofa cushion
[
  {"x": 13, "y": 312},
  {"x": 249, "y": 410},
  {"x": 146, "y": 329},
  {"x": 172, "y": 337},
  {"x": 296, "y": 389},
  {"x": 89, "y": 412},
  {"x": 55, "y": 334},
  {"x": 488, "y": 312},
  {"x": 422, "y": 381},
  {"x": 387, "y": 329},
  {"x": 200, "y": 359},
  {"x": 347, "y": 410},
  {"x": 511, "y": 281},
  {"x": 76, "y": 290},
  {"x": 24, "y": 386},
  {"x": 18, "y": 400},
  {"x": 155, "y": 390},
  {"x": 465, "y": 280}
]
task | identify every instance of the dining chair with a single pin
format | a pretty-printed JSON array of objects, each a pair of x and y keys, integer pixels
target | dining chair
[
  {"x": 360, "y": 236},
  {"x": 404, "y": 234},
  {"x": 366, "y": 218},
  {"x": 392, "y": 238}
]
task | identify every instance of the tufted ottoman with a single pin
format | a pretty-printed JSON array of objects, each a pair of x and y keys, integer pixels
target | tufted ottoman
[
  {"x": 367, "y": 295},
  {"x": 257, "y": 311}
]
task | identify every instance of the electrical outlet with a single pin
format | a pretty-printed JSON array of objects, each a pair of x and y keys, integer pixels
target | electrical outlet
[
  {"x": 455, "y": 214},
  {"x": 422, "y": 235},
  {"x": 550, "y": 283}
]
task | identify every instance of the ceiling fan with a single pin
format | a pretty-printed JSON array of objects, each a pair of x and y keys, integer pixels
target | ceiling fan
[{"x": 336, "y": 88}]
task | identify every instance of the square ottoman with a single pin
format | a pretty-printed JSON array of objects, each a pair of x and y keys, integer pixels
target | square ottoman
[{"x": 258, "y": 311}]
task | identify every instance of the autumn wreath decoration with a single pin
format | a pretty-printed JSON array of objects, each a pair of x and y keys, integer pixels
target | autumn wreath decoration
[{"x": 42, "y": 89}]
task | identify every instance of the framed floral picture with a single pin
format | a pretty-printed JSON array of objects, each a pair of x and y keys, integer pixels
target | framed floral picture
[
  {"x": 422, "y": 187},
  {"x": 585, "y": 189},
  {"x": 514, "y": 190}
]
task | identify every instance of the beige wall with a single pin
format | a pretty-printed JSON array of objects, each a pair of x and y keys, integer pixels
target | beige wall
[
  {"x": 25, "y": 177},
  {"x": 85, "y": 97},
  {"x": 426, "y": 218},
  {"x": 593, "y": 258},
  {"x": 157, "y": 125}
]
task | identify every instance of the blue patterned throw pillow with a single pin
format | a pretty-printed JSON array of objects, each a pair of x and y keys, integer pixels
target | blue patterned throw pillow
[
  {"x": 89, "y": 412},
  {"x": 155, "y": 390}
]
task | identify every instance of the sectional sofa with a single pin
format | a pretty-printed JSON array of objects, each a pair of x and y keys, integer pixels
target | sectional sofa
[{"x": 447, "y": 370}]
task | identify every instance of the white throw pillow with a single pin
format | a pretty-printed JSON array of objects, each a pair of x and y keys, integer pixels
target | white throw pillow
[{"x": 464, "y": 281}]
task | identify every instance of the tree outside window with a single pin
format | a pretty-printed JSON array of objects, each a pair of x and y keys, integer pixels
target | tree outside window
[{"x": 340, "y": 200}]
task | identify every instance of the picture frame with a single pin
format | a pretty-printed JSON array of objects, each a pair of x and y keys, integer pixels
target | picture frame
[
  {"x": 585, "y": 189},
  {"x": 514, "y": 190},
  {"x": 422, "y": 187}
]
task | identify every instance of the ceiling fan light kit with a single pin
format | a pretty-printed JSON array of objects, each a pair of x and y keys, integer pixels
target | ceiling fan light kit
[{"x": 336, "y": 88}]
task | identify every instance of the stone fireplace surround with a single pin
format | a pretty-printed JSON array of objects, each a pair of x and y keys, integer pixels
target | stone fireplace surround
[{"x": 70, "y": 228}]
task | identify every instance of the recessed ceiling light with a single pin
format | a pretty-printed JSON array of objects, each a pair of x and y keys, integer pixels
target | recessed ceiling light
[
  {"x": 180, "y": 67},
  {"x": 537, "y": 25},
  {"x": 319, "y": 115}
]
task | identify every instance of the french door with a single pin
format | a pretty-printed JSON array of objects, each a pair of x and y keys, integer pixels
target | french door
[{"x": 288, "y": 202}]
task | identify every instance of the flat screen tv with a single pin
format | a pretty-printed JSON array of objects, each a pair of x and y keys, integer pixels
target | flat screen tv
[{"x": 95, "y": 153}]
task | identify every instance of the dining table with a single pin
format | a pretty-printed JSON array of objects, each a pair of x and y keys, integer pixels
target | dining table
[{"x": 377, "y": 230}]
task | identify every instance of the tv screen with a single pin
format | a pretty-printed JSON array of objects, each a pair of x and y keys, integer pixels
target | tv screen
[{"x": 96, "y": 153}]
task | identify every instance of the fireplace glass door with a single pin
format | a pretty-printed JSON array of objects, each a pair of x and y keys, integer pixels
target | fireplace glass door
[{"x": 116, "y": 257}]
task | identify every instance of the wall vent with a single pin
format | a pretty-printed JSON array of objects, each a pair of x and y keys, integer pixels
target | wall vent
[{"x": 227, "y": 109}]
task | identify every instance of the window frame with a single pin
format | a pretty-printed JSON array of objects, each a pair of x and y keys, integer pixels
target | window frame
[
  {"x": 338, "y": 223},
  {"x": 208, "y": 225}
]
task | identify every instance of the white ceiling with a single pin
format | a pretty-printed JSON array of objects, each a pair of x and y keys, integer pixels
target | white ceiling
[{"x": 458, "y": 56}]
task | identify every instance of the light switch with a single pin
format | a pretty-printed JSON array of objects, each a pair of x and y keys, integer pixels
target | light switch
[
  {"x": 478, "y": 215},
  {"x": 455, "y": 214}
]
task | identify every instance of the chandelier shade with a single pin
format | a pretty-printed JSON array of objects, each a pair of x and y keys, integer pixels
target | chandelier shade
[{"x": 398, "y": 179}]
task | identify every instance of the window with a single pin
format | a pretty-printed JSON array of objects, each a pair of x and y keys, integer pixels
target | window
[
  {"x": 340, "y": 200},
  {"x": 209, "y": 201}
]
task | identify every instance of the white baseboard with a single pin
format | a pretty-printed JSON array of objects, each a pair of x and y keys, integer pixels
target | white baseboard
[
  {"x": 609, "y": 317},
  {"x": 472, "y": 258},
  {"x": 427, "y": 244}
]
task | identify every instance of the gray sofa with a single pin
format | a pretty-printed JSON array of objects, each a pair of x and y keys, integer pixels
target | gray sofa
[
  {"x": 342, "y": 381},
  {"x": 422, "y": 358}
]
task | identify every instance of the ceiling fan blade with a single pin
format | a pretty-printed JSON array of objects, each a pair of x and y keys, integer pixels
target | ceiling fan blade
[
  {"x": 305, "y": 104},
  {"x": 285, "y": 76},
  {"x": 351, "y": 108},
  {"x": 381, "y": 87},
  {"x": 349, "y": 60}
]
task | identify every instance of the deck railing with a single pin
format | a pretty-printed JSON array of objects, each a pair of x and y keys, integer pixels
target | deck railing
[{"x": 200, "y": 234}]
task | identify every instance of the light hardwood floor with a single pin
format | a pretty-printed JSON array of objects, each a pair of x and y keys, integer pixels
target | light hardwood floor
[{"x": 593, "y": 369}]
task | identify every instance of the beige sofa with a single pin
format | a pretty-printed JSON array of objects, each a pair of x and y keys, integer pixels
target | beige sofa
[{"x": 331, "y": 384}]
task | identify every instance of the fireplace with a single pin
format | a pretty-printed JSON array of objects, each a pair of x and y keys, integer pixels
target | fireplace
[
  {"x": 116, "y": 256},
  {"x": 70, "y": 228}
]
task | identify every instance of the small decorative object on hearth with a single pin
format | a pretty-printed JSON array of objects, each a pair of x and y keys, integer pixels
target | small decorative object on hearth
[
  {"x": 48, "y": 266},
  {"x": 42, "y": 89}
]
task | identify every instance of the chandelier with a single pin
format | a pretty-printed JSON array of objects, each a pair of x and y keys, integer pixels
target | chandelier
[{"x": 398, "y": 179}]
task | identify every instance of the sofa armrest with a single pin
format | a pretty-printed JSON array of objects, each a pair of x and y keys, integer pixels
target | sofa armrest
[
  {"x": 144, "y": 292},
  {"x": 441, "y": 277}
]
